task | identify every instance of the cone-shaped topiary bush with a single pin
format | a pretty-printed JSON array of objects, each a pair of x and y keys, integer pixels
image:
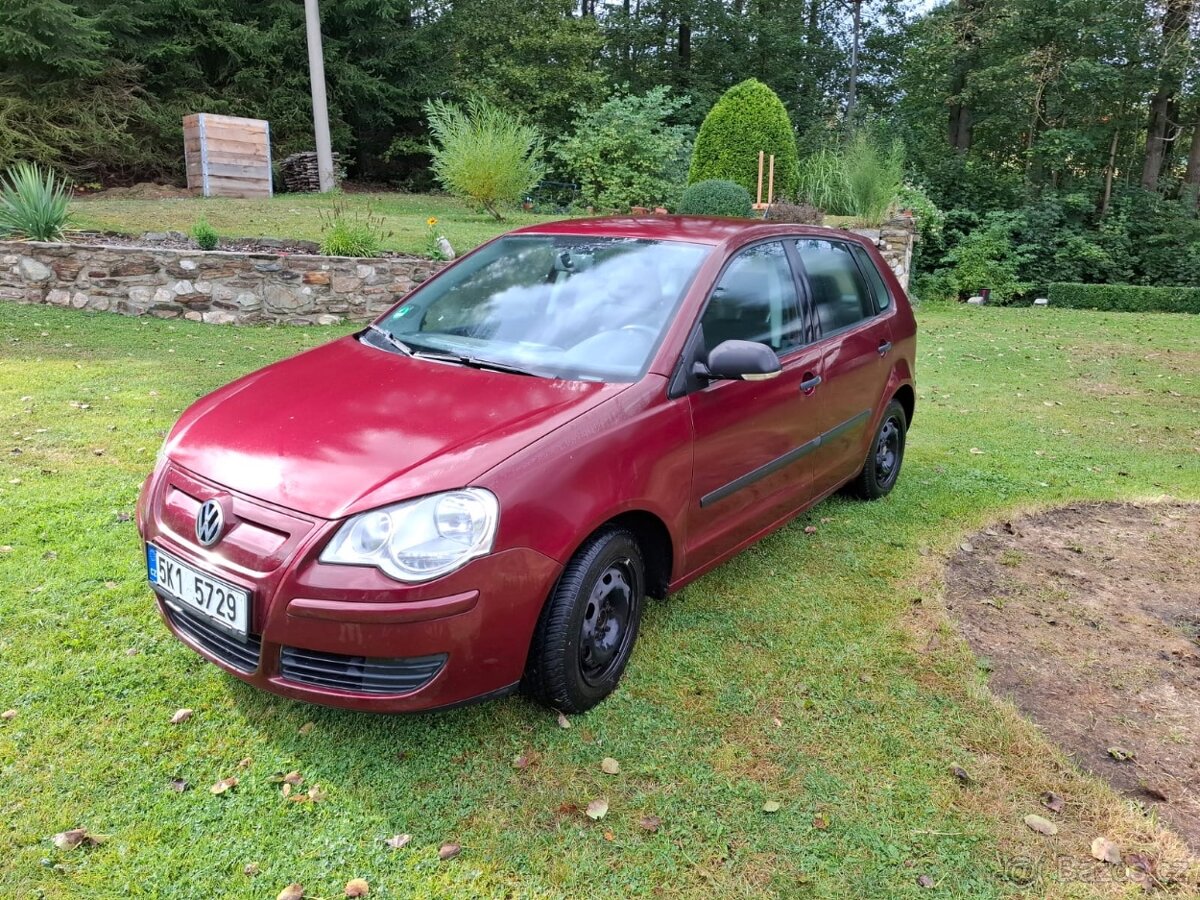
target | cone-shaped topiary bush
[
  {"x": 749, "y": 117},
  {"x": 716, "y": 197}
]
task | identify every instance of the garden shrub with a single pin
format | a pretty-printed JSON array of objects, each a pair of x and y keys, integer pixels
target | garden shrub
[
  {"x": 986, "y": 258},
  {"x": 1125, "y": 297},
  {"x": 625, "y": 153},
  {"x": 483, "y": 153},
  {"x": 716, "y": 197},
  {"x": 33, "y": 203},
  {"x": 862, "y": 179},
  {"x": 748, "y": 118},
  {"x": 205, "y": 235},
  {"x": 795, "y": 213}
]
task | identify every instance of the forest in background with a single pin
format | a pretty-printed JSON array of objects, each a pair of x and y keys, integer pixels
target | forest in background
[{"x": 1055, "y": 141}]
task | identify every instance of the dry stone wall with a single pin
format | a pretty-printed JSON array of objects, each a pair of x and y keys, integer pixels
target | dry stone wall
[
  {"x": 217, "y": 287},
  {"x": 246, "y": 288}
]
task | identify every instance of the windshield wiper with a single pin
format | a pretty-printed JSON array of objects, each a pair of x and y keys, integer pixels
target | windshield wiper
[
  {"x": 391, "y": 339},
  {"x": 475, "y": 362}
]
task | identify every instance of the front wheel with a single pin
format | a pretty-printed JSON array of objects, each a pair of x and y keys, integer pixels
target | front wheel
[
  {"x": 882, "y": 468},
  {"x": 585, "y": 634}
]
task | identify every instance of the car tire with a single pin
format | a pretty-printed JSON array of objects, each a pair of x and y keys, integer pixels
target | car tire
[
  {"x": 586, "y": 631},
  {"x": 884, "y": 458}
]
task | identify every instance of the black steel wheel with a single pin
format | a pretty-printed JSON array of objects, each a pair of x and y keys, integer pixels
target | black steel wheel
[
  {"x": 882, "y": 466},
  {"x": 585, "y": 634}
]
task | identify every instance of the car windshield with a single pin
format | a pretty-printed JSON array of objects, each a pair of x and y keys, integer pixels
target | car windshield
[{"x": 557, "y": 306}]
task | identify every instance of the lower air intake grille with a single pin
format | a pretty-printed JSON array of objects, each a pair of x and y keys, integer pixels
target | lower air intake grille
[
  {"x": 360, "y": 674},
  {"x": 241, "y": 655}
]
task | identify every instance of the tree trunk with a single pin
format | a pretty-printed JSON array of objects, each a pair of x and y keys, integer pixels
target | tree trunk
[
  {"x": 685, "y": 48},
  {"x": 1109, "y": 173},
  {"x": 1159, "y": 134},
  {"x": 961, "y": 120}
]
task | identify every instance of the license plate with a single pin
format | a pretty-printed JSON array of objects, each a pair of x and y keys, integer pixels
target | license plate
[{"x": 223, "y": 603}]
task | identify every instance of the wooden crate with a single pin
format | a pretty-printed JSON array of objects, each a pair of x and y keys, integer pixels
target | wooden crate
[{"x": 227, "y": 156}]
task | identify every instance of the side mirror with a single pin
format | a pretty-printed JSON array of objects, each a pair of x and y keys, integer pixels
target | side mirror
[{"x": 740, "y": 361}]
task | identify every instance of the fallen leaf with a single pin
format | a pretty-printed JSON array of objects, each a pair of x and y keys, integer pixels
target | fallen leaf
[
  {"x": 1053, "y": 802},
  {"x": 962, "y": 774},
  {"x": 251, "y": 869},
  {"x": 776, "y": 721},
  {"x": 1041, "y": 825},
  {"x": 397, "y": 841},
  {"x": 293, "y": 891},
  {"x": 609, "y": 766},
  {"x": 6, "y": 548},
  {"x": 1120, "y": 754},
  {"x": 967, "y": 547},
  {"x": 650, "y": 823},
  {"x": 8, "y": 714},
  {"x": 293, "y": 778},
  {"x": 315, "y": 794},
  {"x": 449, "y": 851},
  {"x": 820, "y": 823},
  {"x": 976, "y": 451},
  {"x": 178, "y": 785},
  {"x": 286, "y": 791},
  {"x": 1106, "y": 851},
  {"x": 563, "y": 721},
  {"x": 597, "y": 809},
  {"x": 771, "y": 806},
  {"x": 224, "y": 785},
  {"x": 181, "y": 716},
  {"x": 520, "y": 761},
  {"x": 925, "y": 881},
  {"x": 810, "y": 529},
  {"x": 307, "y": 727},
  {"x": 69, "y": 840},
  {"x": 609, "y": 836},
  {"x": 244, "y": 763},
  {"x": 357, "y": 887}
]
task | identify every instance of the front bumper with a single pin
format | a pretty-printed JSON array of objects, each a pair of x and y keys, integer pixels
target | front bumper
[{"x": 349, "y": 636}]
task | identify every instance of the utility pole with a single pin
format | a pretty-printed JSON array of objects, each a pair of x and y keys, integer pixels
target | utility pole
[
  {"x": 316, "y": 73},
  {"x": 852, "y": 93}
]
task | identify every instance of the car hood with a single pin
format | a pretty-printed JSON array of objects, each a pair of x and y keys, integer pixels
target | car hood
[{"x": 346, "y": 427}]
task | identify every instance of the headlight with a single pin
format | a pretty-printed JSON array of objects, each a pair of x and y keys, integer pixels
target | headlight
[{"x": 419, "y": 539}]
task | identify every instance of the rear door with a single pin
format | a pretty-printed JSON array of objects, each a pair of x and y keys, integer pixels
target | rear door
[
  {"x": 855, "y": 342},
  {"x": 752, "y": 438}
]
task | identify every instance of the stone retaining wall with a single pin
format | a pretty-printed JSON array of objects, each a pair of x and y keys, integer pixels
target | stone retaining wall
[
  {"x": 217, "y": 287},
  {"x": 227, "y": 288}
]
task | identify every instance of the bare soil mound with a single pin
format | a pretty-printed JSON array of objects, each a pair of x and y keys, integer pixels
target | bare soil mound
[{"x": 1088, "y": 618}]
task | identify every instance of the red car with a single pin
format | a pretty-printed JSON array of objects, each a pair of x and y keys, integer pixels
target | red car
[{"x": 480, "y": 489}]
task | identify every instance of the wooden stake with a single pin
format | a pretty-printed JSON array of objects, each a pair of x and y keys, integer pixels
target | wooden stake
[
  {"x": 771, "y": 182},
  {"x": 758, "y": 202}
]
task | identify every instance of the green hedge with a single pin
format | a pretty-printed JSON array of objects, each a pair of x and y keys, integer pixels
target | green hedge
[
  {"x": 716, "y": 198},
  {"x": 1125, "y": 297},
  {"x": 748, "y": 118}
]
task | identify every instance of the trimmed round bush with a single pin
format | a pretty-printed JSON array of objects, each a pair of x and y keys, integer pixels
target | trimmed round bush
[
  {"x": 748, "y": 118},
  {"x": 716, "y": 197}
]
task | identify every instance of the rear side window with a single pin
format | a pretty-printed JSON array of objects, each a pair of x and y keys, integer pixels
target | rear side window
[
  {"x": 755, "y": 300},
  {"x": 882, "y": 298},
  {"x": 840, "y": 294}
]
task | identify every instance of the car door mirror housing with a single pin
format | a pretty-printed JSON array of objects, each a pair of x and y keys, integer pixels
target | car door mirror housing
[{"x": 740, "y": 361}]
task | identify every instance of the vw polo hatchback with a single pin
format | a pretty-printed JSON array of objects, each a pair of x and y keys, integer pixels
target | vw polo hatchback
[{"x": 479, "y": 490}]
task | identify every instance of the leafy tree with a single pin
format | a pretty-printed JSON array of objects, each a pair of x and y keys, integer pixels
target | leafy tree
[
  {"x": 626, "y": 153},
  {"x": 483, "y": 153},
  {"x": 747, "y": 119}
]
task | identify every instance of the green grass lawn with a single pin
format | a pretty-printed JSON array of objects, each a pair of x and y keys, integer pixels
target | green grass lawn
[
  {"x": 815, "y": 670},
  {"x": 297, "y": 216}
]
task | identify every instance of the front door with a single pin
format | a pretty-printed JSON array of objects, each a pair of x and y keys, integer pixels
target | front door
[
  {"x": 752, "y": 438},
  {"x": 854, "y": 342}
]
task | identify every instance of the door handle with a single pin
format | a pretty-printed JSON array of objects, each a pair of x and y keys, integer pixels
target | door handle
[
  {"x": 810, "y": 382},
  {"x": 884, "y": 347}
]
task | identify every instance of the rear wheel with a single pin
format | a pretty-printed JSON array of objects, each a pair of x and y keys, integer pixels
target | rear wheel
[
  {"x": 882, "y": 468},
  {"x": 586, "y": 631}
]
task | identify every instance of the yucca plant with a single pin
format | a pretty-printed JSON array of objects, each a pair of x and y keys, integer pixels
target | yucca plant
[{"x": 33, "y": 203}]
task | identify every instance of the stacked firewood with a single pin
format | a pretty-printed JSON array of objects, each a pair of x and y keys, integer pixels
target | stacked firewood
[{"x": 300, "y": 176}]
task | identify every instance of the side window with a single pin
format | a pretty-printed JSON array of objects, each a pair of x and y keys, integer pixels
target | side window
[
  {"x": 839, "y": 293},
  {"x": 882, "y": 298},
  {"x": 755, "y": 300}
]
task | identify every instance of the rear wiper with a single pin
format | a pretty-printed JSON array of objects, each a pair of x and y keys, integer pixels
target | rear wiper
[
  {"x": 475, "y": 362},
  {"x": 391, "y": 339}
]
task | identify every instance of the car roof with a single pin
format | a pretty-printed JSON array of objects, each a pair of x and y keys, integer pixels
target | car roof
[{"x": 695, "y": 229}]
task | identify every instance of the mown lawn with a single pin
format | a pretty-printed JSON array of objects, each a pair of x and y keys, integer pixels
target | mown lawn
[
  {"x": 298, "y": 216},
  {"x": 815, "y": 670}
]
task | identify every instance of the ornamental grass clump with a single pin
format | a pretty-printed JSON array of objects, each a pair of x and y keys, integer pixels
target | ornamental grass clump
[
  {"x": 483, "y": 153},
  {"x": 352, "y": 234},
  {"x": 33, "y": 203}
]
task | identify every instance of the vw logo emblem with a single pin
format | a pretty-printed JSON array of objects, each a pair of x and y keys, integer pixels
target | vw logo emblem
[{"x": 210, "y": 522}]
